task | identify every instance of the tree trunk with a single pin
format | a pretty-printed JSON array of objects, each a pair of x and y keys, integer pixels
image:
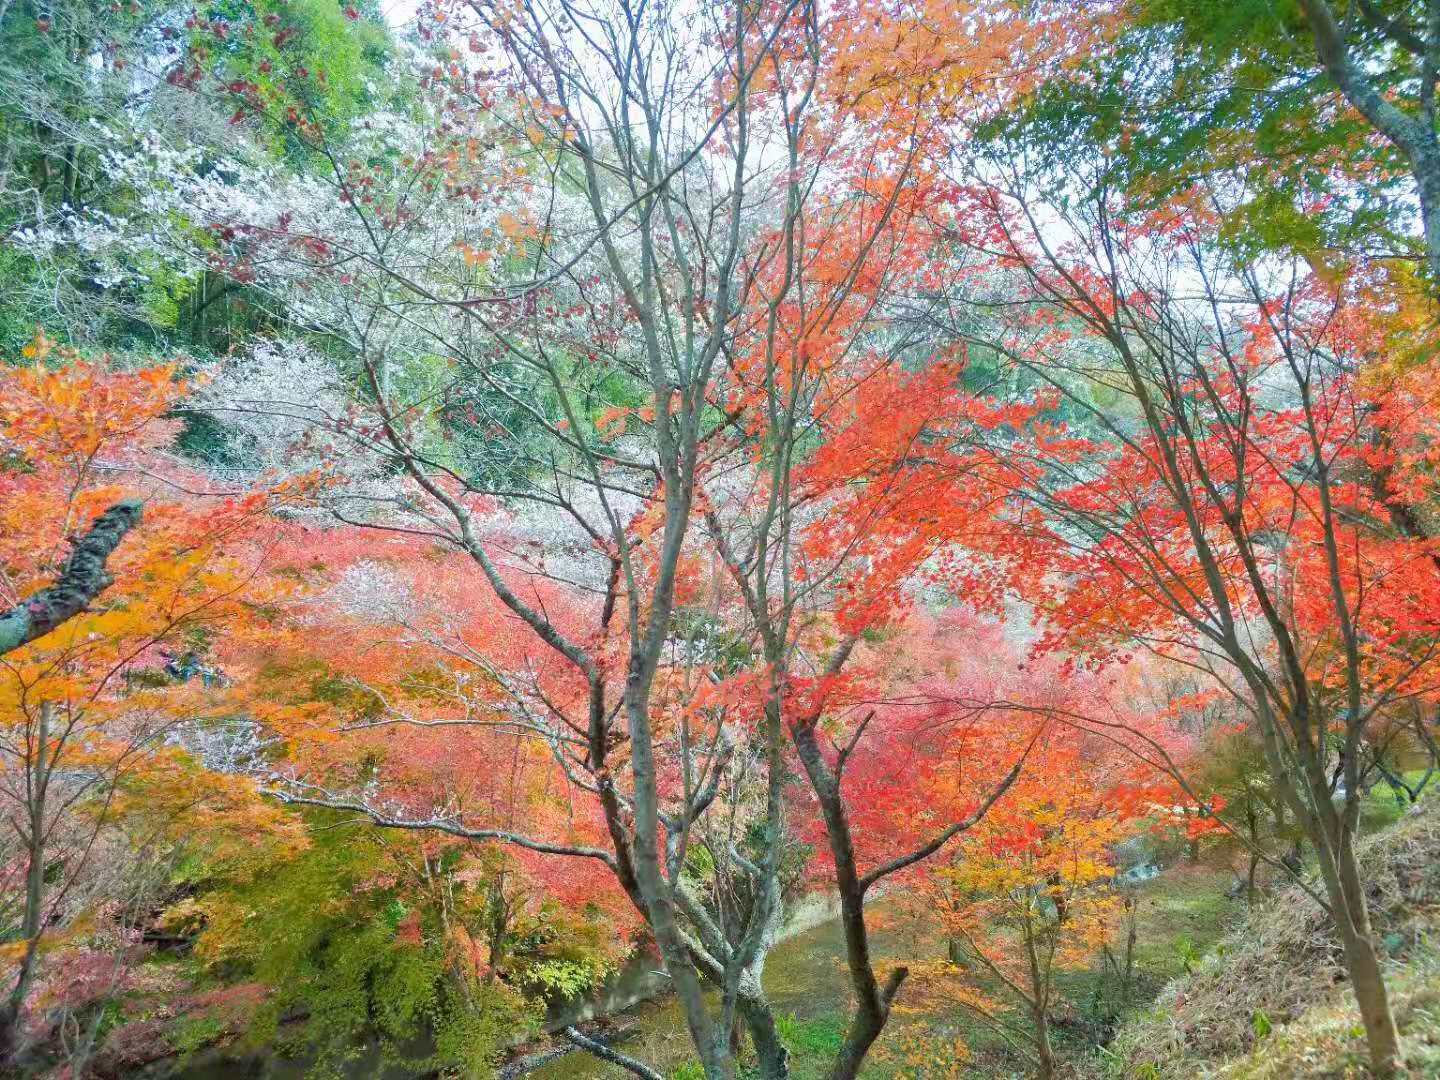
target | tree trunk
[
  {"x": 1371, "y": 995},
  {"x": 1362, "y": 963},
  {"x": 1132, "y": 933},
  {"x": 872, "y": 1000},
  {"x": 1413, "y": 136},
  {"x": 34, "y": 922},
  {"x": 81, "y": 581},
  {"x": 713, "y": 1044},
  {"x": 1426, "y": 165},
  {"x": 1254, "y": 823},
  {"x": 1044, "y": 1055},
  {"x": 773, "y": 1058}
]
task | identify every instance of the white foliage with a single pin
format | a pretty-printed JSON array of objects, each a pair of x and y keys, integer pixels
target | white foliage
[
  {"x": 282, "y": 404},
  {"x": 287, "y": 413},
  {"x": 371, "y": 591}
]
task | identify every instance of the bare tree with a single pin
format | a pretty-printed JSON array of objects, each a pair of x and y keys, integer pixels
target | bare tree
[{"x": 655, "y": 193}]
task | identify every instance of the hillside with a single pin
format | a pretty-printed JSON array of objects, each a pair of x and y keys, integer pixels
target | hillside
[{"x": 1270, "y": 1000}]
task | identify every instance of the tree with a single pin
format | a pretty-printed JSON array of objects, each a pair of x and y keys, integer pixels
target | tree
[
  {"x": 1222, "y": 520},
  {"x": 79, "y": 584},
  {"x": 1410, "y": 127},
  {"x": 1323, "y": 113},
  {"x": 1027, "y": 893},
  {"x": 655, "y": 382},
  {"x": 689, "y": 315},
  {"x": 380, "y": 936},
  {"x": 115, "y": 152},
  {"x": 604, "y": 727},
  {"x": 88, "y": 716}
]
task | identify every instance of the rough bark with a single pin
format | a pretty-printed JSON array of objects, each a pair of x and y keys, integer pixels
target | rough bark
[
  {"x": 773, "y": 1059},
  {"x": 33, "y": 921}
]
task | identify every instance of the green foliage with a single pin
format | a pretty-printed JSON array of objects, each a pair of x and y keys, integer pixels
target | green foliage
[
  {"x": 1188, "y": 953},
  {"x": 17, "y": 320},
  {"x": 305, "y": 54},
  {"x": 1260, "y": 1022},
  {"x": 164, "y": 292},
  {"x": 332, "y": 936},
  {"x": 94, "y": 86},
  {"x": 191, "y": 1033},
  {"x": 1227, "y": 98},
  {"x": 563, "y": 978}
]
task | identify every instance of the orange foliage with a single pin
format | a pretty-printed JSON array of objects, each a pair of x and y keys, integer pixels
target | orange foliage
[{"x": 94, "y": 719}]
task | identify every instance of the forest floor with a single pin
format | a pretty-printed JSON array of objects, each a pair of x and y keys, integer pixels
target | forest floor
[
  {"x": 1217, "y": 990},
  {"x": 1270, "y": 1002},
  {"x": 1188, "y": 934},
  {"x": 1179, "y": 915}
]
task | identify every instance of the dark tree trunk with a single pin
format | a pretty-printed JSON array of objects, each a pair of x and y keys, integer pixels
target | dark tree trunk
[{"x": 83, "y": 579}]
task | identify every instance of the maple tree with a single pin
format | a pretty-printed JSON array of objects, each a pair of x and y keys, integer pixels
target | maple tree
[
  {"x": 601, "y": 719},
  {"x": 629, "y": 445},
  {"x": 1224, "y": 518},
  {"x": 966, "y": 701},
  {"x": 680, "y": 416},
  {"x": 91, "y": 746},
  {"x": 1025, "y": 894},
  {"x": 411, "y": 937}
]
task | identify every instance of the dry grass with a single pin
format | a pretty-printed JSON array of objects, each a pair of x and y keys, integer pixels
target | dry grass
[
  {"x": 1328, "y": 1041},
  {"x": 1277, "y": 980}
]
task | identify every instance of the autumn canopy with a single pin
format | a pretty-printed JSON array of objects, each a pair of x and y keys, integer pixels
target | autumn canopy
[{"x": 506, "y": 501}]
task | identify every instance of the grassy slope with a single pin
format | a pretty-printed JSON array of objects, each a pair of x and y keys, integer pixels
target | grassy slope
[
  {"x": 1179, "y": 914},
  {"x": 1270, "y": 1000}
]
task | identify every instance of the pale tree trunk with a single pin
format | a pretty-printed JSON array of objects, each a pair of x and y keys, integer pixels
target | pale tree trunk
[
  {"x": 1039, "y": 1004},
  {"x": 1332, "y": 832},
  {"x": 1427, "y": 174},
  {"x": 1044, "y": 1054},
  {"x": 1368, "y": 982},
  {"x": 1346, "y": 886},
  {"x": 1414, "y": 136}
]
